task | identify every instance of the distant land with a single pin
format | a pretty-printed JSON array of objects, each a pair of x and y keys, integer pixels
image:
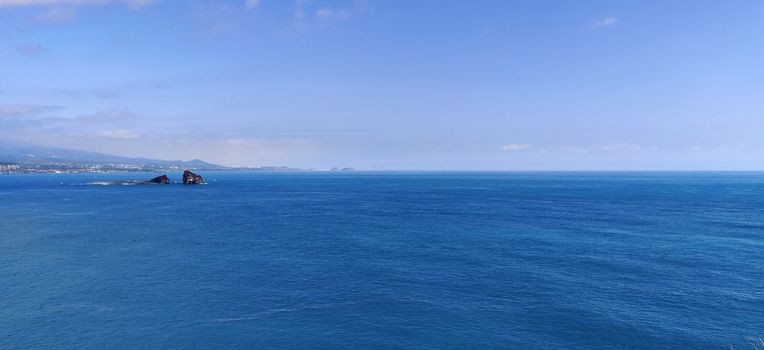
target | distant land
[{"x": 36, "y": 159}]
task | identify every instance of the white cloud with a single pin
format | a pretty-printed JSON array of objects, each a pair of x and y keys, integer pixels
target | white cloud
[
  {"x": 118, "y": 134},
  {"x": 511, "y": 147},
  {"x": 251, "y": 4},
  {"x": 608, "y": 21},
  {"x": 310, "y": 10}
]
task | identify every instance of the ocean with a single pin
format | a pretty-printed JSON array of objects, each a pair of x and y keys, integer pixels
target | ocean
[{"x": 384, "y": 260}]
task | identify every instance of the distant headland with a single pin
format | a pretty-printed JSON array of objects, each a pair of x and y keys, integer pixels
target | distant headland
[{"x": 15, "y": 159}]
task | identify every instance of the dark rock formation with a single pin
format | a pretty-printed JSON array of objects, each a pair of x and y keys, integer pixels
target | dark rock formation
[
  {"x": 160, "y": 180},
  {"x": 191, "y": 178}
]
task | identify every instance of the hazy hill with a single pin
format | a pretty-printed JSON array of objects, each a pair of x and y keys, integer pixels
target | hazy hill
[{"x": 29, "y": 154}]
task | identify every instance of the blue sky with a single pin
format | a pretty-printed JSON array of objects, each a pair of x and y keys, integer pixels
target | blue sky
[{"x": 372, "y": 84}]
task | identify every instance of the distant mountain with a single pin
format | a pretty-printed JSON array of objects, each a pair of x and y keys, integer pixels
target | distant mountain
[{"x": 29, "y": 154}]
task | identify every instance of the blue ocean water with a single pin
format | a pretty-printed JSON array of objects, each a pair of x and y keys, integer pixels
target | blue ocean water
[{"x": 384, "y": 261}]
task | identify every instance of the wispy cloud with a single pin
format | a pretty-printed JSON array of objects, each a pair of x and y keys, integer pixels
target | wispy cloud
[
  {"x": 137, "y": 4},
  {"x": 65, "y": 11},
  {"x": 299, "y": 8},
  {"x": 58, "y": 15},
  {"x": 307, "y": 9},
  {"x": 605, "y": 22},
  {"x": 19, "y": 120},
  {"x": 328, "y": 13},
  {"x": 512, "y": 147},
  {"x": 105, "y": 117},
  {"x": 31, "y": 50},
  {"x": 118, "y": 134},
  {"x": 10, "y": 3},
  {"x": 252, "y": 4},
  {"x": 134, "y": 4},
  {"x": 214, "y": 18},
  {"x": 26, "y": 110}
]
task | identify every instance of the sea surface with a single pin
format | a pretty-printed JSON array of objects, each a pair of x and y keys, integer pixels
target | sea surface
[{"x": 364, "y": 260}]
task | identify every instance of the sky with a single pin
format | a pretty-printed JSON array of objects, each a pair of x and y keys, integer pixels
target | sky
[{"x": 391, "y": 84}]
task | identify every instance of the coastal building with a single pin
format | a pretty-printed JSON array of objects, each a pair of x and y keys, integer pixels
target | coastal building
[{"x": 7, "y": 168}]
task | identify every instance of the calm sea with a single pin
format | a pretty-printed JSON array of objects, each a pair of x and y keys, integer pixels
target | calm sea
[{"x": 384, "y": 261}]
